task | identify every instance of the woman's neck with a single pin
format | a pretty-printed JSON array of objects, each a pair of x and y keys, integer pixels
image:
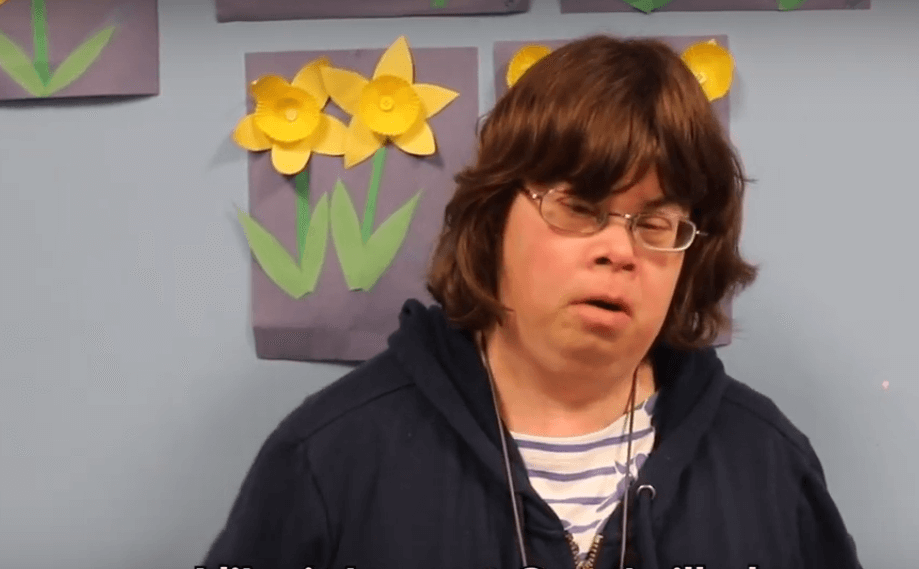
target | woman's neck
[{"x": 551, "y": 396}]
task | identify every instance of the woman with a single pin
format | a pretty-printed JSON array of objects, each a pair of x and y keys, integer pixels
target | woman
[{"x": 562, "y": 393}]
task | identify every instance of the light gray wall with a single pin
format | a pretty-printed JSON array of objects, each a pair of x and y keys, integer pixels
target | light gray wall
[{"x": 131, "y": 402}]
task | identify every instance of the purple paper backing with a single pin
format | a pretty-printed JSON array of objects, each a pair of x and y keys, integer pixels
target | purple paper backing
[
  {"x": 504, "y": 51},
  {"x": 576, "y": 6},
  {"x": 333, "y": 323},
  {"x": 129, "y": 64},
  {"x": 255, "y": 10}
]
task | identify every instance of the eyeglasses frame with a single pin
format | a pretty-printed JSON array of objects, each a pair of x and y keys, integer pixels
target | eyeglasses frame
[{"x": 607, "y": 215}]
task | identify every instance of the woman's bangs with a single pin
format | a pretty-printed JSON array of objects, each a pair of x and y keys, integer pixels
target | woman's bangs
[{"x": 611, "y": 158}]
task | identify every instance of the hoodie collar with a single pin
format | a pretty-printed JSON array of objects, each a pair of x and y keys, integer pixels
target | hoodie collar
[{"x": 444, "y": 363}]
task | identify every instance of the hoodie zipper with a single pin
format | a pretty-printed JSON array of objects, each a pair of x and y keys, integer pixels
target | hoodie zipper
[{"x": 590, "y": 561}]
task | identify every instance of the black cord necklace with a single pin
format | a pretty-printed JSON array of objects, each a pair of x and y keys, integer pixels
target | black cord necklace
[{"x": 502, "y": 431}]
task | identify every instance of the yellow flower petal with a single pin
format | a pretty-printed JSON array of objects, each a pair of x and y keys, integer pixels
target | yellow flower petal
[
  {"x": 249, "y": 136},
  {"x": 712, "y": 65},
  {"x": 287, "y": 116},
  {"x": 344, "y": 86},
  {"x": 310, "y": 80},
  {"x": 268, "y": 87},
  {"x": 434, "y": 97},
  {"x": 525, "y": 58},
  {"x": 329, "y": 138},
  {"x": 389, "y": 106},
  {"x": 419, "y": 140},
  {"x": 290, "y": 158},
  {"x": 360, "y": 142},
  {"x": 396, "y": 61}
]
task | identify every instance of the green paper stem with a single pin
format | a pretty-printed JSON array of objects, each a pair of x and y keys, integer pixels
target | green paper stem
[
  {"x": 302, "y": 184},
  {"x": 373, "y": 190},
  {"x": 438, "y": 3},
  {"x": 789, "y": 4},
  {"x": 40, "y": 39}
]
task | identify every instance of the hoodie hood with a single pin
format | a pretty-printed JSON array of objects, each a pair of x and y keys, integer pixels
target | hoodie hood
[{"x": 444, "y": 363}]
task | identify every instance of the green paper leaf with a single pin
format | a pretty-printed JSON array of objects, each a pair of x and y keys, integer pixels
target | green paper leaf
[
  {"x": 790, "y": 4},
  {"x": 385, "y": 242},
  {"x": 18, "y": 66},
  {"x": 273, "y": 258},
  {"x": 315, "y": 245},
  {"x": 647, "y": 6},
  {"x": 346, "y": 235},
  {"x": 364, "y": 263},
  {"x": 79, "y": 60}
]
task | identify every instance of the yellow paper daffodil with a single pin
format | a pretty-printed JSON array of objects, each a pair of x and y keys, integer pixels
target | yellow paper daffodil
[
  {"x": 712, "y": 65},
  {"x": 390, "y": 106},
  {"x": 1, "y": 2},
  {"x": 288, "y": 120},
  {"x": 525, "y": 57}
]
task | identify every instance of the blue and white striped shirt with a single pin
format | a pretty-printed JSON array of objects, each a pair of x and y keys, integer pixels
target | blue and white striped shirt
[{"x": 582, "y": 478}]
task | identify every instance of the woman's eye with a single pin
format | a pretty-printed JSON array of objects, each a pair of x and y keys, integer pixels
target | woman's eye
[
  {"x": 655, "y": 223},
  {"x": 581, "y": 208}
]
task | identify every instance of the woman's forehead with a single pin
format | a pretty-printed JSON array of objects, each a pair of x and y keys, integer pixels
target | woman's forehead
[{"x": 647, "y": 189}]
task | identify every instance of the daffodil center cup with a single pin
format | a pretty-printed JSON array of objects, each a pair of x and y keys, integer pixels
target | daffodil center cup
[
  {"x": 389, "y": 105},
  {"x": 525, "y": 58},
  {"x": 289, "y": 116},
  {"x": 713, "y": 67}
]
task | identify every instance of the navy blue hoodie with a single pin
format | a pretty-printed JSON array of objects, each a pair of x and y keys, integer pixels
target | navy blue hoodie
[{"x": 398, "y": 465}]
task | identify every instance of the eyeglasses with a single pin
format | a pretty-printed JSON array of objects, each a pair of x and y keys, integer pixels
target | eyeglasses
[{"x": 657, "y": 231}]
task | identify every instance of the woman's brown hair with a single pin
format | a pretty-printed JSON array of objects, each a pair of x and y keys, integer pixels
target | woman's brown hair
[{"x": 598, "y": 113}]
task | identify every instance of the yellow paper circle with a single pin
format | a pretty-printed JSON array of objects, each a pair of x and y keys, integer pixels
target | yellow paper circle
[
  {"x": 268, "y": 87},
  {"x": 525, "y": 57},
  {"x": 712, "y": 65},
  {"x": 389, "y": 105},
  {"x": 288, "y": 115}
]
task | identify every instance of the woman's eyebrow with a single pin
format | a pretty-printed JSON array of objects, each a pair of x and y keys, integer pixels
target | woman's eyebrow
[{"x": 657, "y": 202}]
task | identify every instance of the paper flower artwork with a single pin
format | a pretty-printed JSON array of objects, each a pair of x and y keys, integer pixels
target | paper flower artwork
[
  {"x": 712, "y": 65},
  {"x": 525, "y": 57},
  {"x": 348, "y": 181},
  {"x": 288, "y": 120},
  {"x": 36, "y": 76},
  {"x": 50, "y": 48},
  {"x": 648, "y": 6},
  {"x": 255, "y": 10},
  {"x": 390, "y": 106}
]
